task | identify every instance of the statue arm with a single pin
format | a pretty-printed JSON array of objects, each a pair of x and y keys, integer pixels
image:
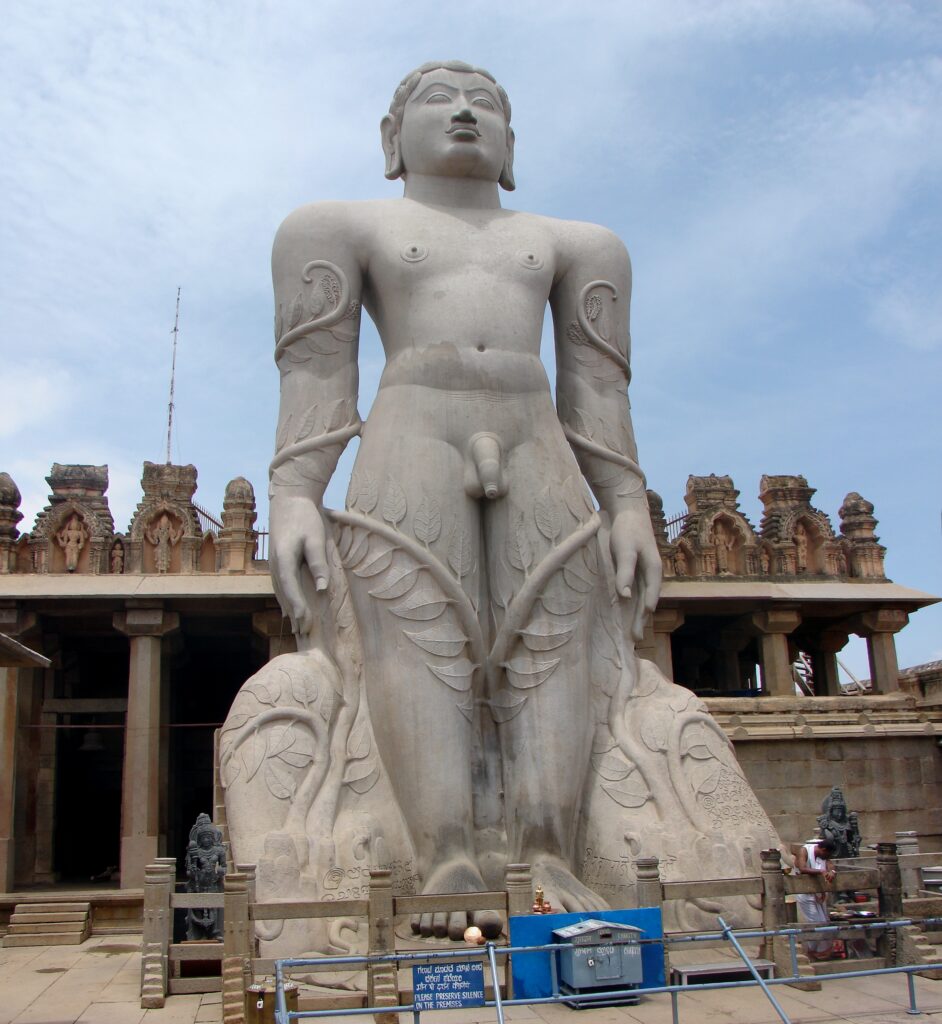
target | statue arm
[
  {"x": 317, "y": 281},
  {"x": 590, "y": 302}
]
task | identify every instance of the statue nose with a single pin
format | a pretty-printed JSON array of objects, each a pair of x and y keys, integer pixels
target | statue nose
[{"x": 465, "y": 115}]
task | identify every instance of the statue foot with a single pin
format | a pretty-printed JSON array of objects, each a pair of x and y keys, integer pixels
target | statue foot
[
  {"x": 457, "y": 875},
  {"x": 561, "y": 887}
]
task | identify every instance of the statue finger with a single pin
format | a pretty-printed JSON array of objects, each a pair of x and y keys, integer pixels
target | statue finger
[
  {"x": 315, "y": 554},
  {"x": 626, "y": 559}
]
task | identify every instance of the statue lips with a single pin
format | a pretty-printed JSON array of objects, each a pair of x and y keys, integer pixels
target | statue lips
[{"x": 464, "y": 131}]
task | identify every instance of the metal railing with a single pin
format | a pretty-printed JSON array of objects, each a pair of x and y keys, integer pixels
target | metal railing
[
  {"x": 208, "y": 522},
  {"x": 675, "y": 525},
  {"x": 491, "y": 952}
]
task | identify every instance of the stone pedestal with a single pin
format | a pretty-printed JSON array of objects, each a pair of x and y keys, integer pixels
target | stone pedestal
[
  {"x": 140, "y": 808},
  {"x": 773, "y": 628}
]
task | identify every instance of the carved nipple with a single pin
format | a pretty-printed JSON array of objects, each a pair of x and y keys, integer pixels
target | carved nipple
[{"x": 485, "y": 454}]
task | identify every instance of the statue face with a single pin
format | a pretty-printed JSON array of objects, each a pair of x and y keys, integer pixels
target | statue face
[{"x": 453, "y": 125}]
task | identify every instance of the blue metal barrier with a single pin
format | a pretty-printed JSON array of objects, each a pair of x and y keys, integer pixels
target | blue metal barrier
[{"x": 490, "y": 952}]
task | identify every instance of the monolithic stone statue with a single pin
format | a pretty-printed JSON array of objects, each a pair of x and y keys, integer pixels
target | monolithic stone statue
[
  {"x": 466, "y": 693},
  {"x": 838, "y": 825},
  {"x": 205, "y": 871}
]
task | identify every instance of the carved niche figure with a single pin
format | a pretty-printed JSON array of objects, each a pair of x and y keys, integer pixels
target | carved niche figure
[
  {"x": 117, "y": 558},
  {"x": 71, "y": 538},
  {"x": 164, "y": 535},
  {"x": 205, "y": 871},
  {"x": 723, "y": 541},
  {"x": 470, "y": 593},
  {"x": 765, "y": 560},
  {"x": 801, "y": 548},
  {"x": 680, "y": 562},
  {"x": 838, "y": 825}
]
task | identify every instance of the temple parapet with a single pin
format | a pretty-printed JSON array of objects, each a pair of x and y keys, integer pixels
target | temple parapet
[
  {"x": 714, "y": 539},
  {"x": 168, "y": 533}
]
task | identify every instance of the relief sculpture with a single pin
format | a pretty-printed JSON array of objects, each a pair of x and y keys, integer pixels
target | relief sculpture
[{"x": 466, "y": 692}]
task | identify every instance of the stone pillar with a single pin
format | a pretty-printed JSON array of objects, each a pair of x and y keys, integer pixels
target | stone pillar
[
  {"x": 519, "y": 884},
  {"x": 140, "y": 787},
  {"x": 13, "y": 622},
  {"x": 890, "y": 903},
  {"x": 272, "y": 625},
  {"x": 773, "y": 627},
  {"x": 878, "y": 629},
  {"x": 665, "y": 621},
  {"x": 731, "y": 644},
  {"x": 824, "y": 662}
]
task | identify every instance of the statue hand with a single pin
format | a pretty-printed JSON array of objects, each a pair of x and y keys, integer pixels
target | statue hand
[
  {"x": 297, "y": 542},
  {"x": 637, "y": 564}
]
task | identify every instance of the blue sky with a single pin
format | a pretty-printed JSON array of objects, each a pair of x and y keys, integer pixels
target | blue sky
[{"x": 773, "y": 166}]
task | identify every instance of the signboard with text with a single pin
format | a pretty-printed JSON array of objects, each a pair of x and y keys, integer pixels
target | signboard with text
[{"x": 448, "y": 986}]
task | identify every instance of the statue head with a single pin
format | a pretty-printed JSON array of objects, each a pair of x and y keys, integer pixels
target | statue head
[{"x": 453, "y": 118}]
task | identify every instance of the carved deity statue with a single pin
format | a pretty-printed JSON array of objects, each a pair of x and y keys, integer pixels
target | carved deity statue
[
  {"x": 466, "y": 687},
  {"x": 117, "y": 558},
  {"x": 723, "y": 541},
  {"x": 205, "y": 871},
  {"x": 680, "y": 562},
  {"x": 164, "y": 536},
  {"x": 71, "y": 539},
  {"x": 839, "y": 825},
  {"x": 801, "y": 548}
]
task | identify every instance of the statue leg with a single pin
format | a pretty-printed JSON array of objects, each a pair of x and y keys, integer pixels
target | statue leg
[
  {"x": 545, "y": 581},
  {"x": 410, "y": 546}
]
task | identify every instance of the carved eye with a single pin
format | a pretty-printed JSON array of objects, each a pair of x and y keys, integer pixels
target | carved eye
[
  {"x": 483, "y": 101},
  {"x": 438, "y": 97}
]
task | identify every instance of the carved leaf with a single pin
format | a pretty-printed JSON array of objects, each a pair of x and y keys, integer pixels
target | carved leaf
[
  {"x": 574, "y": 334},
  {"x": 297, "y": 308},
  {"x": 460, "y": 552},
  {"x": 679, "y": 701},
  {"x": 577, "y": 579},
  {"x": 337, "y": 416},
  {"x": 527, "y": 672},
  {"x": 573, "y": 498},
  {"x": 344, "y": 614},
  {"x": 593, "y": 307},
  {"x": 235, "y": 721},
  {"x": 303, "y": 689},
  {"x": 457, "y": 675},
  {"x": 580, "y": 423},
  {"x": 331, "y": 288},
  {"x": 466, "y": 706},
  {"x": 314, "y": 470},
  {"x": 263, "y": 693},
  {"x": 633, "y": 485},
  {"x": 399, "y": 582},
  {"x": 361, "y": 776},
  {"x": 702, "y": 743},
  {"x": 603, "y": 741},
  {"x": 379, "y": 560},
  {"x": 591, "y": 559},
  {"x": 296, "y": 758},
  {"x": 231, "y": 770},
  {"x": 280, "y": 783},
  {"x": 368, "y": 494},
  {"x": 307, "y": 424},
  {"x": 704, "y": 778},
  {"x": 654, "y": 735},
  {"x": 614, "y": 438},
  {"x": 633, "y": 792},
  {"x": 503, "y": 584},
  {"x": 281, "y": 438},
  {"x": 284, "y": 741},
  {"x": 544, "y": 635},
  {"x": 317, "y": 303},
  {"x": 446, "y": 641},
  {"x": 253, "y": 753},
  {"x": 611, "y": 767},
  {"x": 548, "y": 516},
  {"x": 427, "y": 521},
  {"x": 359, "y": 546},
  {"x": 562, "y": 604},
  {"x": 519, "y": 552},
  {"x": 505, "y": 704},
  {"x": 359, "y": 742},
  {"x": 395, "y": 504},
  {"x": 353, "y": 492},
  {"x": 422, "y": 606}
]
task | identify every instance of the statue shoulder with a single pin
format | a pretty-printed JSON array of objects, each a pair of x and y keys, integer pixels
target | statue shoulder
[
  {"x": 332, "y": 227},
  {"x": 578, "y": 238}
]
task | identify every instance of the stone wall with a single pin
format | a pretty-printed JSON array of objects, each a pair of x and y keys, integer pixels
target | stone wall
[{"x": 894, "y": 783}]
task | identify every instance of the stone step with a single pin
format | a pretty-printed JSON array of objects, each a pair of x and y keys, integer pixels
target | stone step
[
  {"x": 46, "y": 908},
  {"x": 935, "y": 937},
  {"x": 45, "y": 928},
  {"x": 46, "y": 939},
  {"x": 18, "y": 918},
  {"x": 840, "y": 966}
]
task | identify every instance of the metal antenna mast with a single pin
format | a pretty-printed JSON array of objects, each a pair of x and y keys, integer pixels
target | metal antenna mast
[{"x": 173, "y": 373}]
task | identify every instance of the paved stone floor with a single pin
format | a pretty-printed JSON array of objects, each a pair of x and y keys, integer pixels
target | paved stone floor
[{"x": 97, "y": 983}]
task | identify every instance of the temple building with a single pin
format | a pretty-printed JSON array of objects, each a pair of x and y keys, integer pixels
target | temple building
[{"x": 120, "y": 653}]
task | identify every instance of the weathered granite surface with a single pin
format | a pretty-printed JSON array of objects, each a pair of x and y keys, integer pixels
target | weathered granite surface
[{"x": 466, "y": 692}]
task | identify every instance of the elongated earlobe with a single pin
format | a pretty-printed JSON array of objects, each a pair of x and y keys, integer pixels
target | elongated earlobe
[
  {"x": 389, "y": 130},
  {"x": 506, "y": 179}
]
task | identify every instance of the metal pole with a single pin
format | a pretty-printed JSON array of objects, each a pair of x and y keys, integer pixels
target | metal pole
[
  {"x": 497, "y": 1000},
  {"x": 675, "y": 1011},
  {"x": 912, "y": 1009},
  {"x": 793, "y": 949},
  {"x": 281, "y": 1006},
  {"x": 728, "y": 934}
]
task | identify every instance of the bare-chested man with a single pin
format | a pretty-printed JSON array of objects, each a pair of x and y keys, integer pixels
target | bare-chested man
[{"x": 466, "y": 473}]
